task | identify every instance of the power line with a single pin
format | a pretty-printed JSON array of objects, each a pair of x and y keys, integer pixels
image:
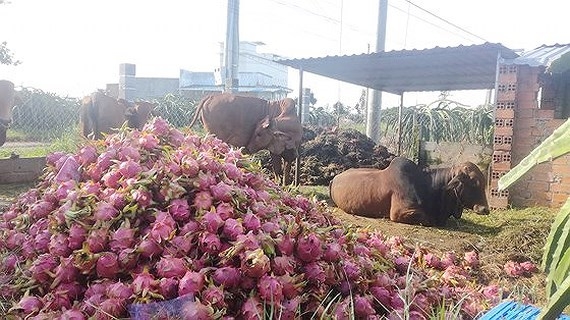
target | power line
[
  {"x": 428, "y": 22},
  {"x": 445, "y": 20}
]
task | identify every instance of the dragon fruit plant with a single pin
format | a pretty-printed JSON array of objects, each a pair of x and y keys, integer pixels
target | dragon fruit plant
[{"x": 153, "y": 215}]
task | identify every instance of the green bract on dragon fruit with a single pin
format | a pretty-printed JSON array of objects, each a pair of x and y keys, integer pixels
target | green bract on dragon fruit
[{"x": 154, "y": 215}]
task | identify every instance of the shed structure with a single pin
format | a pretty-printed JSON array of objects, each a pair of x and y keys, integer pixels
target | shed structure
[{"x": 529, "y": 98}]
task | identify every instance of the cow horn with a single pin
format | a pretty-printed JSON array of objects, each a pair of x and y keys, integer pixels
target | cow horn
[{"x": 455, "y": 182}]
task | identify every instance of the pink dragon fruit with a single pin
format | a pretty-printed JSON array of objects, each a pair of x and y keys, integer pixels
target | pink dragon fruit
[
  {"x": 87, "y": 155},
  {"x": 283, "y": 264},
  {"x": 59, "y": 245},
  {"x": 66, "y": 271},
  {"x": 197, "y": 310},
  {"x": 179, "y": 210},
  {"x": 42, "y": 267},
  {"x": 97, "y": 240},
  {"x": 314, "y": 273},
  {"x": 309, "y": 248},
  {"x": 148, "y": 141},
  {"x": 290, "y": 309},
  {"x": 128, "y": 258},
  {"x": 42, "y": 241},
  {"x": 111, "y": 179},
  {"x": 292, "y": 285},
  {"x": 203, "y": 200},
  {"x": 255, "y": 263},
  {"x": 170, "y": 267},
  {"x": 163, "y": 228},
  {"x": 252, "y": 308},
  {"x": 382, "y": 295},
  {"x": 214, "y": 296},
  {"x": 251, "y": 222},
  {"x": 149, "y": 248},
  {"x": 144, "y": 282},
  {"x": 77, "y": 235},
  {"x": 221, "y": 191},
  {"x": 168, "y": 287},
  {"x": 232, "y": 229},
  {"x": 72, "y": 314},
  {"x": 142, "y": 197},
  {"x": 119, "y": 291},
  {"x": 111, "y": 308},
  {"x": 105, "y": 211},
  {"x": 30, "y": 305},
  {"x": 122, "y": 239},
  {"x": 471, "y": 259},
  {"x": 41, "y": 209},
  {"x": 108, "y": 265},
  {"x": 210, "y": 243},
  {"x": 68, "y": 171},
  {"x": 229, "y": 277},
  {"x": 129, "y": 168},
  {"x": 191, "y": 283},
  {"x": 363, "y": 306},
  {"x": 270, "y": 289},
  {"x": 212, "y": 221}
]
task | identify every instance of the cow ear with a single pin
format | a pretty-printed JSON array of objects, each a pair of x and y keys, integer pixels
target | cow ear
[
  {"x": 265, "y": 123},
  {"x": 130, "y": 111},
  {"x": 289, "y": 143}
]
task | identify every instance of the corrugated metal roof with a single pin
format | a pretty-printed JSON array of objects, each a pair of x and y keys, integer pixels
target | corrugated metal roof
[
  {"x": 543, "y": 55},
  {"x": 437, "y": 69}
]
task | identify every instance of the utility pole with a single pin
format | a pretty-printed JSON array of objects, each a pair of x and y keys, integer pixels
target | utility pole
[
  {"x": 374, "y": 102},
  {"x": 232, "y": 47}
]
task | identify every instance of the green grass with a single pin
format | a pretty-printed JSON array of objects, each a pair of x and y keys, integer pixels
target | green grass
[{"x": 69, "y": 142}]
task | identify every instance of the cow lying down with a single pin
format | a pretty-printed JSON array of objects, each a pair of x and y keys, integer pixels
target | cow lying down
[{"x": 406, "y": 193}]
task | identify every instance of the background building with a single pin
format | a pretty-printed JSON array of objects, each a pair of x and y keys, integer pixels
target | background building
[{"x": 258, "y": 76}]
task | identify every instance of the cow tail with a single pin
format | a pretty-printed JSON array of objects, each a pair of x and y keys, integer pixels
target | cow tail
[
  {"x": 198, "y": 111},
  {"x": 330, "y": 192}
]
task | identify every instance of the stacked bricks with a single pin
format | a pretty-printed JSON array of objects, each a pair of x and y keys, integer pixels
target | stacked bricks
[
  {"x": 503, "y": 135},
  {"x": 532, "y": 125}
]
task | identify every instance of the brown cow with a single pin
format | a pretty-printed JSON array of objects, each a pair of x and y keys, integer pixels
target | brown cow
[
  {"x": 405, "y": 193},
  {"x": 101, "y": 114},
  {"x": 7, "y": 97},
  {"x": 254, "y": 124}
]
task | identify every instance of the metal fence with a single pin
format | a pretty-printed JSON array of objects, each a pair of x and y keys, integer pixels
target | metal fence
[
  {"x": 53, "y": 120},
  {"x": 47, "y": 120}
]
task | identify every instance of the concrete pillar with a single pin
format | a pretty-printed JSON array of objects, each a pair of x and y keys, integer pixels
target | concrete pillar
[{"x": 127, "y": 73}]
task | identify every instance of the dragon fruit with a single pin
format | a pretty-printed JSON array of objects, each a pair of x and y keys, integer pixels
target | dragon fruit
[
  {"x": 108, "y": 265},
  {"x": 229, "y": 277},
  {"x": 170, "y": 267},
  {"x": 192, "y": 282},
  {"x": 270, "y": 289},
  {"x": 255, "y": 263},
  {"x": 309, "y": 248},
  {"x": 30, "y": 304},
  {"x": 122, "y": 238},
  {"x": 157, "y": 214}
]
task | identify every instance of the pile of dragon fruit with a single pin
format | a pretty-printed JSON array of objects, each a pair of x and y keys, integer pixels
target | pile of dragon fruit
[{"x": 154, "y": 216}]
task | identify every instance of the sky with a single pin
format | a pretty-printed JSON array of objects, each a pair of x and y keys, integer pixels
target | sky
[{"x": 73, "y": 47}]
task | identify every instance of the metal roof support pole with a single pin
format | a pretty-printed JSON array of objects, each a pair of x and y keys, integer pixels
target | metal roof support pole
[
  {"x": 400, "y": 110},
  {"x": 232, "y": 47},
  {"x": 374, "y": 102},
  {"x": 299, "y": 114}
]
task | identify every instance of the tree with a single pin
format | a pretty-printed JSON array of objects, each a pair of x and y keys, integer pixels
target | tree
[{"x": 6, "y": 56}]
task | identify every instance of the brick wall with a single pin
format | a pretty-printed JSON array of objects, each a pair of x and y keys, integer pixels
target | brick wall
[{"x": 520, "y": 126}]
